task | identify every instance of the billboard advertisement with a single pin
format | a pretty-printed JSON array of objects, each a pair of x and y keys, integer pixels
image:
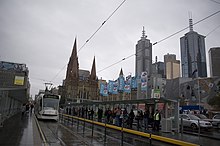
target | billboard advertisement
[{"x": 12, "y": 66}]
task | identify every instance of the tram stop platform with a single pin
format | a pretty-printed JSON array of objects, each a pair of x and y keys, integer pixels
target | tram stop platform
[
  {"x": 23, "y": 131},
  {"x": 20, "y": 130}
]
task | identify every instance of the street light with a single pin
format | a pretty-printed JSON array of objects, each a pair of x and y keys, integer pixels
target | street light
[{"x": 193, "y": 74}]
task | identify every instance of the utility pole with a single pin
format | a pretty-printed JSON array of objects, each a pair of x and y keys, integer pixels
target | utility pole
[{"x": 199, "y": 94}]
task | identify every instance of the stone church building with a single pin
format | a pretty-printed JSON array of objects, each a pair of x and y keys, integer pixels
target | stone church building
[{"x": 79, "y": 85}]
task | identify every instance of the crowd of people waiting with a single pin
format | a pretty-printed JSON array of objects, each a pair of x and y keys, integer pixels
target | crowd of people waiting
[{"x": 143, "y": 119}]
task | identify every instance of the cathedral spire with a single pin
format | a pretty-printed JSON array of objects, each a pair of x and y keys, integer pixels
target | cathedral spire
[
  {"x": 121, "y": 73},
  {"x": 74, "y": 51},
  {"x": 93, "y": 71},
  {"x": 73, "y": 65}
]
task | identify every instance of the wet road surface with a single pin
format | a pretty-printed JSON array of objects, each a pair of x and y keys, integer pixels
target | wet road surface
[{"x": 20, "y": 131}]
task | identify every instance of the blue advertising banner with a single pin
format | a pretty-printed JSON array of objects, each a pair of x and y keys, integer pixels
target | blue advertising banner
[
  {"x": 115, "y": 87},
  {"x": 110, "y": 86},
  {"x": 105, "y": 91},
  {"x": 121, "y": 84},
  {"x": 101, "y": 88},
  {"x": 127, "y": 87},
  {"x": 12, "y": 66},
  {"x": 134, "y": 82},
  {"x": 144, "y": 81}
]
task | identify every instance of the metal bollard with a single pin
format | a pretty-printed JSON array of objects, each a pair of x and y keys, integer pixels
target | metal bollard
[
  {"x": 72, "y": 121},
  {"x": 182, "y": 126},
  {"x": 1, "y": 121},
  {"x": 92, "y": 126},
  {"x": 122, "y": 134},
  {"x": 199, "y": 129},
  {"x": 77, "y": 124},
  {"x": 105, "y": 130},
  {"x": 84, "y": 124}
]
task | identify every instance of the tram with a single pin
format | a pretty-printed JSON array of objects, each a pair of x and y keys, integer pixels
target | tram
[{"x": 47, "y": 106}]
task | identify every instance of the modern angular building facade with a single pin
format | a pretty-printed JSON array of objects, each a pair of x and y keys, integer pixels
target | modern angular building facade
[
  {"x": 143, "y": 55},
  {"x": 193, "y": 55},
  {"x": 214, "y": 60}
]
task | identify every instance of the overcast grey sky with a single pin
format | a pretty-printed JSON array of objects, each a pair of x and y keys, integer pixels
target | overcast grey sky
[{"x": 40, "y": 33}]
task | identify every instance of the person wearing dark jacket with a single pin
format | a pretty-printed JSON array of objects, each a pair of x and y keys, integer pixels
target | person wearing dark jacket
[
  {"x": 131, "y": 118},
  {"x": 100, "y": 112},
  {"x": 146, "y": 118}
]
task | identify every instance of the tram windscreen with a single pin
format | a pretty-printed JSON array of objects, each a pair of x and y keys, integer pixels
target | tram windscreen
[{"x": 50, "y": 103}]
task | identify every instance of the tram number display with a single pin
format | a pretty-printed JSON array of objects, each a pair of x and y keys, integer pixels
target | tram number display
[{"x": 51, "y": 96}]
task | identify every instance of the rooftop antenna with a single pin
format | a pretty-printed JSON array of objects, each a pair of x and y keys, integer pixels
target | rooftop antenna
[
  {"x": 190, "y": 22},
  {"x": 143, "y": 34}
]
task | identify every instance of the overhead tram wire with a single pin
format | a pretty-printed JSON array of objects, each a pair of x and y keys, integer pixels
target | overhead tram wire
[
  {"x": 212, "y": 31},
  {"x": 161, "y": 40},
  {"x": 101, "y": 25},
  {"x": 137, "y": 52},
  {"x": 187, "y": 27},
  {"x": 115, "y": 63},
  {"x": 92, "y": 35},
  {"x": 215, "y": 1},
  {"x": 58, "y": 73}
]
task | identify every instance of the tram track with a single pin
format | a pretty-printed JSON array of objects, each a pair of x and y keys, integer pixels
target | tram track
[
  {"x": 70, "y": 131},
  {"x": 49, "y": 130},
  {"x": 111, "y": 134},
  {"x": 55, "y": 134}
]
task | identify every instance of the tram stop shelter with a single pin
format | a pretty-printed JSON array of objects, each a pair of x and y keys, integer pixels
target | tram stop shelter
[{"x": 168, "y": 108}]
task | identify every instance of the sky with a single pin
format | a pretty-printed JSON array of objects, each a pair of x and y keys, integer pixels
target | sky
[{"x": 41, "y": 33}]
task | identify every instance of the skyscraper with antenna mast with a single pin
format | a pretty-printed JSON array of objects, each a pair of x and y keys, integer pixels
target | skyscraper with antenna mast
[
  {"x": 143, "y": 55},
  {"x": 193, "y": 55}
]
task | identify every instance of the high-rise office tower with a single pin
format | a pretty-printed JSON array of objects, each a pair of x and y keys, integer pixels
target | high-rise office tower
[
  {"x": 214, "y": 61},
  {"x": 193, "y": 55},
  {"x": 143, "y": 55},
  {"x": 172, "y": 66}
]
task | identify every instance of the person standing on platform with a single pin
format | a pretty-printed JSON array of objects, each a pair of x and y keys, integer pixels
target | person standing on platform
[
  {"x": 32, "y": 107},
  {"x": 23, "y": 109},
  {"x": 100, "y": 113},
  {"x": 27, "y": 107},
  {"x": 157, "y": 118},
  {"x": 146, "y": 118},
  {"x": 137, "y": 118},
  {"x": 131, "y": 118}
]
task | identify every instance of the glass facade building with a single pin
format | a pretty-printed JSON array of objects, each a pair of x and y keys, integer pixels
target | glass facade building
[
  {"x": 193, "y": 55},
  {"x": 214, "y": 60}
]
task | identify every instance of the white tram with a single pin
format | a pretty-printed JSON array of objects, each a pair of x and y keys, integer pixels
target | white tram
[{"x": 47, "y": 107}]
